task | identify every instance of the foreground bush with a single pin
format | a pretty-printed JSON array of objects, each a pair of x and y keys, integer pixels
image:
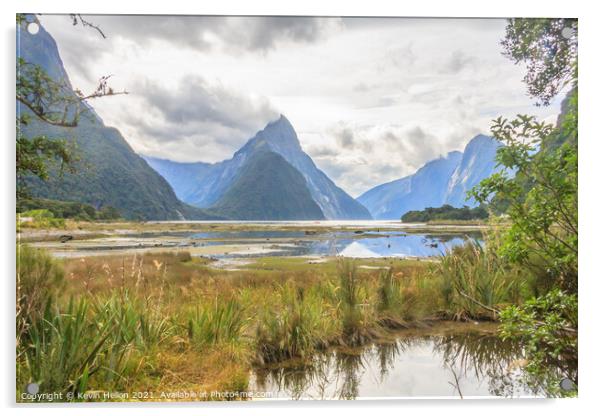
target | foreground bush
[{"x": 476, "y": 281}]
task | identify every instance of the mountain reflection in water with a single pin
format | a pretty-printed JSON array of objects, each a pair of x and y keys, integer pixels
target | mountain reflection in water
[{"x": 371, "y": 244}]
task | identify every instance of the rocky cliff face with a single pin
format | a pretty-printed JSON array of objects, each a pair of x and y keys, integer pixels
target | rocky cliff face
[
  {"x": 279, "y": 137},
  {"x": 442, "y": 181}
]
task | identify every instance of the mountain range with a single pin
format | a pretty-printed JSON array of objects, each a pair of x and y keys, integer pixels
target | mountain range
[
  {"x": 445, "y": 180},
  {"x": 204, "y": 185},
  {"x": 269, "y": 178}
]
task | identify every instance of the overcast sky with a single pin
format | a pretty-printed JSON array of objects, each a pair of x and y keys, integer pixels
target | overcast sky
[{"x": 371, "y": 99}]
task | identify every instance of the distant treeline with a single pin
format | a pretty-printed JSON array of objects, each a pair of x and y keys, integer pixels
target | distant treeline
[
  {"x": 446, "y": 212},
  {"x": 67, "y": 209}
]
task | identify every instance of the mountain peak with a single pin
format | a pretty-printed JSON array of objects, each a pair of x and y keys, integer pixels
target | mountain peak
[
  {"x": 281, "y": 120},
  {"x": 279, "y": 135},
  {"x": 481, "y": 140}
]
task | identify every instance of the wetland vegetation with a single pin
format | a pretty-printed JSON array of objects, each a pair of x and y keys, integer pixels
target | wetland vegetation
[{"x": 164, "y": 321}]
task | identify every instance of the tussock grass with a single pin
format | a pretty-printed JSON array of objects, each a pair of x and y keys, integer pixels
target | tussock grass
[
  {"x": 168, "y": 321},
  {"x": 302, "y": 323},
  {"x": 475, "y": 282},
  {"x": 221, "y": 321}
]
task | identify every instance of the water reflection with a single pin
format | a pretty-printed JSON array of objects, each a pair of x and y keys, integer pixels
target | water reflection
[
  {"x": 371, "y": 244},
  {"x": 465, "y": 364},
  {"x": 257, "y": 243}
]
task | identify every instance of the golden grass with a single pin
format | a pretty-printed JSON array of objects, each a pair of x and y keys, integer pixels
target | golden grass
[{"x": 181, "y": 324}]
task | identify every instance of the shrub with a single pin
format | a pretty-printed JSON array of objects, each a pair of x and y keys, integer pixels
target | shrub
[{"x": 41, "y": 218}]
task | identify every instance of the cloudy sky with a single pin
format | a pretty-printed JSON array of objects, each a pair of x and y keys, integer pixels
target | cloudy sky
[{"x": 372, "y": 99}]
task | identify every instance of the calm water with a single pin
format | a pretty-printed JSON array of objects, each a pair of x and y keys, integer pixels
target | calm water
[
  {"x": 362, "y": 243},
  {"x": 344, "y": 243},
  {"x": 465, "y": 364}
]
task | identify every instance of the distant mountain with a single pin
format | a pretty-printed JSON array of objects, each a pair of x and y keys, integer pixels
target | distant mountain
[
  {"x": 109, "y": 172},
  {"x": 279, "y": 137},
  {"x": 478, "y": 162},
  {"x": 183, "y": 177},
  {"x": 425, "y": 188},
  {"x": 442, "y": 181},
  {"x": 267, "y": 187}
]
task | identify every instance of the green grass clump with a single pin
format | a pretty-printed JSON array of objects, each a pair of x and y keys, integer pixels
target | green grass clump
[
  {"x": 222, "y": 321},
  {"x": 39, "y": 279},
  {"x": 64, "y": 348},
  {"x": 476, "y": 282},
  {"x": 356, "y": 312},
  {"x": 392, "y": 305},
  {"x": 297, "y": 328},
  {"x": 138, "y": 321}
]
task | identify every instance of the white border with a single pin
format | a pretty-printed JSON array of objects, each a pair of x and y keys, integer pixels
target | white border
[{"x": 590, "y": 201}]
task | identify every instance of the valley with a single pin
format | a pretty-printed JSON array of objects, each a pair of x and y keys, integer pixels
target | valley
[{"x": 209, "y": 250}]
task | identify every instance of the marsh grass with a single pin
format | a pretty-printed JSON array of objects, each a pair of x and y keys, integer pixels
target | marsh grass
[
  {"x": 356, "y": 301},
  {"x": 169, "y": 321},
  {"x": 63, "y": 349},
  {"x": 300, "y": 324},
  {"x": 220, "y": 321},
  {"x": 475, "y": 281},
  {"x": 389, "y": 292}
]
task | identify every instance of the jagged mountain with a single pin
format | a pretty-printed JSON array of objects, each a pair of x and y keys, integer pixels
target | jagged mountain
[
  {"x": 109, "y": 172},
  {"x": 425, "y": 188},
  {"x": 478, "y": 162},
  {"x": 267, "y": 187},
  {"x": 442, "y": 181},
  {"x": 280, "y": 137}
]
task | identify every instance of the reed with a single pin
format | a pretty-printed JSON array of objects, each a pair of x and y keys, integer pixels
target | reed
[
  {"x": 221, "y": 321},
  {"x": 141, "y": 320},
  {"x": 476, "y": 282},
  {"x": 356, "y": 309},
  {"x": 299, "y": 327},
  {"x": 65, "y": 348}
]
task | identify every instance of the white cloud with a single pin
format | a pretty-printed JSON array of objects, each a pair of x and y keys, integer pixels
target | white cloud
[{"x": 371, "y": 99}]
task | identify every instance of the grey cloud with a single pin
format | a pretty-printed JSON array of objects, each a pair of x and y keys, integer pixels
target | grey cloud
[
  {"x": 415, "y": 145},
  {"x": 354, "y": 175},
  {"x": 196, "y": 100},
  {"x": 267, "y": 31},
  {"x": 236, "y": 32},
  {"x": 209, "y": 119},
  {"x": 457, "y": 61},
  {"x": 386, "y": 102},
  {"x": 403, "y": 57},
  {"x": 416, "y": 133},
  {"x": 361, "y": 87},
  {"x": 345, "y": 138}
]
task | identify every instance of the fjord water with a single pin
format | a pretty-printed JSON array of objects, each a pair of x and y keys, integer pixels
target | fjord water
[
  {"x": 458, "y": 363},
  {"x": 357, "y": 239},
  {"x": 369, "y": 244}
]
